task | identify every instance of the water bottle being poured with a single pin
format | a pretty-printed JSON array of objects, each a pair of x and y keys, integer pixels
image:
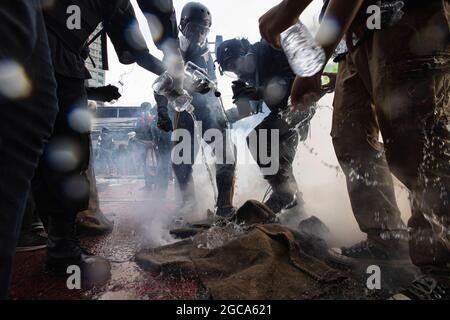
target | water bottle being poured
[
  {"x": 180, "y": 100},
  {"x": 305, "y": 57}
]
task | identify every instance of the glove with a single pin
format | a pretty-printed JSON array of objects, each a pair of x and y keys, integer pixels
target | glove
[
  {"x": 242, "y": 89},
  {"x": 164, "y": 123},
  {"x": 109, "y": 93},
  {"x": 330, "y": 86}
]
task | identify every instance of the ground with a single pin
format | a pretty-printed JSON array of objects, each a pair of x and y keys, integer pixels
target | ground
[
  {"x": 139, "y": 222},
  {"x": 129, "y": 205}
]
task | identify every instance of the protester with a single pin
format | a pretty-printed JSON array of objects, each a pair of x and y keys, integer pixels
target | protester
[
  {"x": 27, "y": 115},
  {"x": 402, "y": 69},
  {"x": 196, "y": 21}
]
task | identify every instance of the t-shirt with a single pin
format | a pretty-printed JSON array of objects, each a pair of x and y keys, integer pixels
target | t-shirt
[{"x": 273, "y": 73}]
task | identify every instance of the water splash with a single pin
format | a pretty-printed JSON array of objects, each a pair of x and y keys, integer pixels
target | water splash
[{"x": 219, "y": 235}]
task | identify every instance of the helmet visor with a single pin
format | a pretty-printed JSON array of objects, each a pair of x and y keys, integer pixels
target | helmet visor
[{"x": 196, "y": 33}]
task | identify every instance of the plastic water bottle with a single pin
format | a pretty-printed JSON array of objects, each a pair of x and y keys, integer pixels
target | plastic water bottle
[
  {"x": 197, "y": 80},
  {"x": 305, "y": 57},
  {"x": 165, "y": 86}
]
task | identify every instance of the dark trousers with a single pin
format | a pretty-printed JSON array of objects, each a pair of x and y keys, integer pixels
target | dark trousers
[
  {"x": 163, "y": 147},
  {"x": 61, "y": 186},
  {"x": 207, "y": 110},
  {"x": 283, "y": 183},
  {"x": 25, "y": 124},
  {"x": 30, "y": 215}
]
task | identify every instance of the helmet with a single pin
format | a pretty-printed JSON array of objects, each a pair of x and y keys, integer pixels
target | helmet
[
  {"x": 146, "y": 105},
  {"x": 195, "y": 22},
  {"x": 195, "y": 12},
  {"x": 230, "y": 50}
]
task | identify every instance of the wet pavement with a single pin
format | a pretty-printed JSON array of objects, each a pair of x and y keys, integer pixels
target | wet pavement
[
  {"x": 141, "y": 219},
  {"x": 134, "y": 212}
]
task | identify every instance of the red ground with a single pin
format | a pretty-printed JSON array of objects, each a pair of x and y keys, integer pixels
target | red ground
[{"x": 132, "y": 210}]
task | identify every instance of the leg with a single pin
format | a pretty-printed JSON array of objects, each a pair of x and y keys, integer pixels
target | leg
[
  {"x": 413, "y": 108},
  {"x": 147, "y": 176},
  {"x": 225, "y": 155},
  {"x": 93, "y": 221},
  {"x": 163, "y": 156},
  {"x": 62, "y": 191},
  {"x": 183, "y": 171},
  {"x": 361, "y": 156},
  {"x": 285, "y": 193},
  {"x": 29, "y": 239},
  {"x": 61, "y": 188},
  {"x": 25, "y": 124}
]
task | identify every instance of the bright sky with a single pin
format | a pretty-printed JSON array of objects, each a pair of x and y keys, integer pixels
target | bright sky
[{"x": 231, "y": 18}]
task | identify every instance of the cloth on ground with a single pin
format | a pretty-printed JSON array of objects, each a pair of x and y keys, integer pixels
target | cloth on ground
[{"x": 261, "y": 261}]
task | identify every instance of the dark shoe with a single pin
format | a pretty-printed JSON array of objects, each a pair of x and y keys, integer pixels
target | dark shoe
[
  {"x": 278, "y": 203},
  {"x": 63, "y": 251},
  {"x": 93, "y": 223},
  {"x": 368, "y": 252},
  {"x": 424, "y": 288},
  {"x": 292, "y": 215},
  {"x": 37, "y": 226},
  {"x": 93, "y": 269},
  {"x": 225, "y": 212},
  {"x": 31, "y": 242},
  {"x": 314, "y": 226}
]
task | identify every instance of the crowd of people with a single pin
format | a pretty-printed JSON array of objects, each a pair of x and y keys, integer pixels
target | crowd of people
[
  {"x": 145, "y": 152},
  {"x": 392, "y": 81}
]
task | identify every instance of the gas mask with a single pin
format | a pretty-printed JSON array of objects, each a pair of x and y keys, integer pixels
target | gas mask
[
  {"x": 242, "y": 66},
  {"x": 193, "y": 35}
]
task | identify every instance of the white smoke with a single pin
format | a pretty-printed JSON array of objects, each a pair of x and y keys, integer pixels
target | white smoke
[{"x": 319, "y": 178}]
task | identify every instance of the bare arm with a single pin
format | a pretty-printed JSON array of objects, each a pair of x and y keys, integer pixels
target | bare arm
[
  {"x": 340, "y": 13},
  {"x": 280, "y": 18},
  {"x": 306, "y": 91}
]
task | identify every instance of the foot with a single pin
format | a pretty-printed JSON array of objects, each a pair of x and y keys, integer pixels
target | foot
[
  {"x": 31, "y": 241},
  {"x": 278, "y": 204},
  {"x": 93, "y": 269},
  {"x": 292, "y": 216},
  {"x": 225, "y": 212},
  {"x": 368, "y": 252},
  {"x": 424, "y": 288},
  {"x": 37, "y": 226},
  {"x": 93, "y": 223}
]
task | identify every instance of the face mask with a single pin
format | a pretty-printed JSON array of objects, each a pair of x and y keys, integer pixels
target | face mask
[
  {"x": 196, "y": 33},
  {"x": 246, "y": 65},
  {"x": 184, "y": 43}
]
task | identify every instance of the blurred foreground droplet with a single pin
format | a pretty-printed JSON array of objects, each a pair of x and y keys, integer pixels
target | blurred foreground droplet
[
  {"x": 62, "y": 155},
  {"x": 14, "y": 83},
  {"x": 80, "y": 120}
]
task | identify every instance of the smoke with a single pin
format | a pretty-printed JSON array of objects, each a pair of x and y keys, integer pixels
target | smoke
[
  {"x": 318, "y": 175},
  {"x": 316, "y": 169}
]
